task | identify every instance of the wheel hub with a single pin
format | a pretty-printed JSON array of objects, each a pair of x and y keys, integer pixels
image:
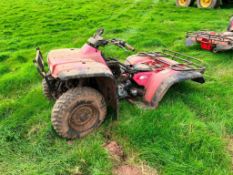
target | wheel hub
[
  {"x": 205, "y": 3},
  {"x": 182, "y": 2},
  {"x": 83, "y": 117}
]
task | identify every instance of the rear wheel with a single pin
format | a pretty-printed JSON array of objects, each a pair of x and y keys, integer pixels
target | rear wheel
[
  {"x": 207, "y": 3},
  {"x": 78, "y": 112},
  {"x": 184, "y": 3}
]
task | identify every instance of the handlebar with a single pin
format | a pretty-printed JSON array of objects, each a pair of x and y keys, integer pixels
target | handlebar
[
  {"x": 129, "y": 47},
  {"x": 97, "y": 40},
  {"x": 122, "y": 44}
]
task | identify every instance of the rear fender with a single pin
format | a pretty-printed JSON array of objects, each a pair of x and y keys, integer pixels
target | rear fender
[{"x": 159, "y": 84}]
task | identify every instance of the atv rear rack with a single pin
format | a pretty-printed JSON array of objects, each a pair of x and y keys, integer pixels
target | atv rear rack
[
  {"x": 184, "y": 62},
  {"x": 210, "y": 37}
]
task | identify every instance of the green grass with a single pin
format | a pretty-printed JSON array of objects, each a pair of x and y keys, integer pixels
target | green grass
[{"x": 187, "y": 134}]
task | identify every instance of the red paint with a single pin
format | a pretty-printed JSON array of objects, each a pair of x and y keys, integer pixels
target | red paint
[
  {"x": 152, "y": 80},
  {"x": 155, "y": 82},
  {"x": 142, "y": 78},
  {"x": 75, "y": 59},
  {"x": 89, "y": 60},
  {"x": 206, "y": 44},
  {"x": 210, "y": 40}
]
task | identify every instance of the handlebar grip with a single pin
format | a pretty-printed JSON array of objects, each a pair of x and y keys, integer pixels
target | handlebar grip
[{"x": 129, "y": 47}]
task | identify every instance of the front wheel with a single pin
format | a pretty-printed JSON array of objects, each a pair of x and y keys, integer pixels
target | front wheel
[
  {"x": 207, "y": 3},
  {"x": 184, "y": 3},
  {"x": 78, "y": 112},
  {"x": 46, "y": 91}
]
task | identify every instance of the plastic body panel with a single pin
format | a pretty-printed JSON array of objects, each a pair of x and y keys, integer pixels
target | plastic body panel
[
  {"x": 77, "y": 63},
  {"x": 158, "y": 81}
]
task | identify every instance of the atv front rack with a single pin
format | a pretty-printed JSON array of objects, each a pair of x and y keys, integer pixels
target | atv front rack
[
  {"x": 184, "y": 62},
  {"x": 39, "y": 63},
  {"x": 210, "y": 37}
]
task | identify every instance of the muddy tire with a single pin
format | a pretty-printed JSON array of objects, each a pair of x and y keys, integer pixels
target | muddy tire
[
  {"x": 46, "y": 90},
  {"x": 184, "y": 3},
  {"x": 78, "y": 111},
  {"x": 208, "y": 3}
]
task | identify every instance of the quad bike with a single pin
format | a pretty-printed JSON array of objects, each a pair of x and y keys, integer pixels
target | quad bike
[
  {"x": 84, "y": 82},
  {"x": 212, "y": 41}
]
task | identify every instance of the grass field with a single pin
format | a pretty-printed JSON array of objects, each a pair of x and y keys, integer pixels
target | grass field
[{"x": 190, "y": 132}]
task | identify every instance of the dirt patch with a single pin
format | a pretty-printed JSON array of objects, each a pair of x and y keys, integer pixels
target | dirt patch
[
  {"x": 230, "y": 148},
  {"x": 230, "y": 145},
  {"x": 134, "y": 170},
  {"x": 127, "y": 170},
  {"x": 114, "y": 150},
  {"x": 70, "y": 142},
  {"x": 122, "y": 166}
]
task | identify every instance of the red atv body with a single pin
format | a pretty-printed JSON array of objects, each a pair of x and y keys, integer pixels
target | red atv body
[
  {"x": 212, "y": 41},
  {"x": 84, "y": 83}
]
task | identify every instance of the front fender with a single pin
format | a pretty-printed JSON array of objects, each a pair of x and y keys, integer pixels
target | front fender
[
  {"x": 107, "y": 86},
  {"x": 159, "y": 84},
  {"x": 100, "y": 75},
  {"x": 81, "y": 69}
]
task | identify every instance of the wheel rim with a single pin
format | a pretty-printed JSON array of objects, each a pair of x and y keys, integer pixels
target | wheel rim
[
  {"x": 205, "y": 3},
  {"x": 183, "y": 2},
  {"x": 83, "y": 117}
]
